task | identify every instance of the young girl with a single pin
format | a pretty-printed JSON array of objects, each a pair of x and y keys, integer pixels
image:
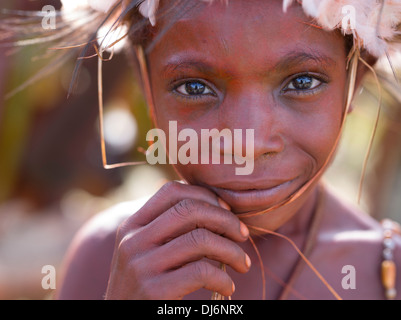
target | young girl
[{"x": 287, "y": 70}]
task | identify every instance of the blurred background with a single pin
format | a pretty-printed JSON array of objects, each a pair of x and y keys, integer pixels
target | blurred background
[{"x": 51, "y": 174}]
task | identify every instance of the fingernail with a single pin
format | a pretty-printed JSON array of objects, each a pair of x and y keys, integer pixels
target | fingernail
[
  {"x": 223, "y": 204},
  {"x": 244, "y": 230},
  {"x": 248, "y": 261}
]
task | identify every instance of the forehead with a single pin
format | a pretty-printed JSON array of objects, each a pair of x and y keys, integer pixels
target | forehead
[{"x": 245, "y": 33}]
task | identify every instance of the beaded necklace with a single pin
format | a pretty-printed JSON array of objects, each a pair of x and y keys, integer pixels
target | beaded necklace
[{"x": 388, "y": 267}]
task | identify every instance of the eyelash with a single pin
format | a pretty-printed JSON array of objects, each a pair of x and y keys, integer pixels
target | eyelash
[
  {"x": 298, "y": 92},
  {"x": 305, "y": 92},
  {"x": 192, "y": 97}
]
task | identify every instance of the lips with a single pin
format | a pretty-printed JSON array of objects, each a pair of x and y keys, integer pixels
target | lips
[
  {"x": 251, "y": 185},
  {"x": 245, "y": 197}
]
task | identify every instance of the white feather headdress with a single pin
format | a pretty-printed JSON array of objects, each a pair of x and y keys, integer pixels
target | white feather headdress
[
  {"x": 375, "y": 24},
  {"x": 98, "y": 5}
]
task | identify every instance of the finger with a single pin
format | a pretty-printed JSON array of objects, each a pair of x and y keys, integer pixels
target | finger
[
  {"x": 194, "y": 276},
  {"x": 196, "y": 245},
  {"x": 168, "y": 196},
  {"x": 190, "y": 214}
]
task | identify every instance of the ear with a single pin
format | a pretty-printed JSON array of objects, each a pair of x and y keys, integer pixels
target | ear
[{"x": 362, "y": 70}]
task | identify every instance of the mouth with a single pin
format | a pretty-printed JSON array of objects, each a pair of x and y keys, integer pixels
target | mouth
[{"x": 244, "y": 198}]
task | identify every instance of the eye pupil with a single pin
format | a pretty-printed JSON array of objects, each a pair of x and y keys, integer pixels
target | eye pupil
[
  {"x": 303, "y": 83},
  {"x": 195, "y": 88}
]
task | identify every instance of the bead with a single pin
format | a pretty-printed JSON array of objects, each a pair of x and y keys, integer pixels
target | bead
[
  {"x": 391, "y": 294},
  {"x": 388, "y": 274},
  {"x": 389, "y": 243},
  {"x": 388, "y": 233},
  {"x": 391, "y": 225},
  {"x": 388, "y": 267},
  {"x": 387, "y": 224},
  {"x": 388, "y": 254}
]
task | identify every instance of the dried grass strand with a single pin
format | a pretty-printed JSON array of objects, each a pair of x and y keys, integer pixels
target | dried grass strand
[
  {"x": 101, "y": 121},
  {"x": 374, "y": 131},
  {"x": 261, "y": 266},
  {"x": 304, "y": 258}
]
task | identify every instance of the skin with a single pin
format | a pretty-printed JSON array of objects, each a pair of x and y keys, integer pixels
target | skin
[{"x": 172, "y": 246}]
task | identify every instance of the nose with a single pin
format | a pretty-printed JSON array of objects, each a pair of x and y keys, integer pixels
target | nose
[{"x": 253, "y": 107}]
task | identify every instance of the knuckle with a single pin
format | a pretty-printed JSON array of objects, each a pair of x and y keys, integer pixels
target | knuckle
[
  {"x": 201, "y": 270},
  {"x": 125, "y": 228},
  {"x": 198, "y": 238},
  {"x": 184, "y": 208},
  {"x": 121, "y": 233},
  {"x": 171, "y": 186},
  {"x": 129, "y": 252},
  {"x": 125, "y": 249}
]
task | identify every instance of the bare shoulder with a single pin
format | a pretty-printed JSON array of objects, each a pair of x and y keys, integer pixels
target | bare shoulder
[
  {"x": 345, "y": 220},
  {"x": 87, "y": 262},
  {"x": 351, "y": 241}
]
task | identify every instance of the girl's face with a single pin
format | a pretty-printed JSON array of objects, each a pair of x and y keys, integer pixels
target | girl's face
[{"x": 244, "y": 66}]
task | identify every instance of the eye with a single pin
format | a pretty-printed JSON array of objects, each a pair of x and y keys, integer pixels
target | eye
[
  {"x": 304, "y": 82},
  {"x": 194, "y": 88}
]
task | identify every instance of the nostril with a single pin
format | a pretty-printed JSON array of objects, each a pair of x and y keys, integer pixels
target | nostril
[{"x": 269, "y": 154}]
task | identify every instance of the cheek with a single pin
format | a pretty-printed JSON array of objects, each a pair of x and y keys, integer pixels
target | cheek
[
  {"x": 188, "y": 113},
  {"x": 173, "y": 127},
  {"x": 318, "y": 133}
]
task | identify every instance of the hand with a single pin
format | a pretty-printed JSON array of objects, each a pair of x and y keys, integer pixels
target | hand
[{"x": 160, "y": 250}]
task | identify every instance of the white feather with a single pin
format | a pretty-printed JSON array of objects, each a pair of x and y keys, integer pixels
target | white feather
[
  {"x": 374, "y": 36},
  {"x": 72, "y": 5},
  {"x": 148, "y": 9},
  {"x": 98, "y": 5},
  {"x": 286, "y": 4},
  {"x": 311, "y": 7},
  {"x": 102, "y": 5}
]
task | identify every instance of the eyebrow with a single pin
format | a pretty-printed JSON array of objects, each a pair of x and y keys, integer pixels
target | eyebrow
[
  {"x": 299, "y": 57},
  {"x": 290, "y": 60},
  {"x": 182, "y": 64}
]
